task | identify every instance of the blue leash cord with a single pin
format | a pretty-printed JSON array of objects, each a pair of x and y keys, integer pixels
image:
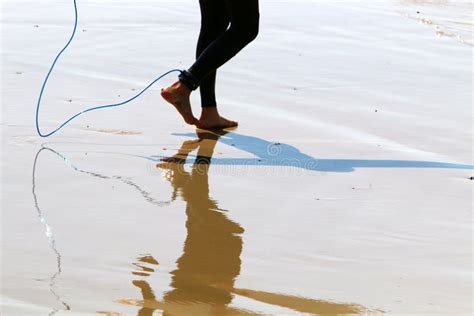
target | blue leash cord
[{"x": 90, "y": 109}]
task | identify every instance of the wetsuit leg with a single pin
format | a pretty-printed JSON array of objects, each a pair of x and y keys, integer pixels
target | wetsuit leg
[
  {"x": 215, "y": 19},
  {"x": 244, "y": 24}
]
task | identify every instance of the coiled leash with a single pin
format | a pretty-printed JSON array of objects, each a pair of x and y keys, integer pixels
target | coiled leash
[{"x": 43, "y": 87}]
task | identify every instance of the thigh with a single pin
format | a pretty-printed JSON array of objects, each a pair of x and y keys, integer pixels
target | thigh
[
  {"x": 243, "y": 11},
  {"x": 214, "y": 13}
]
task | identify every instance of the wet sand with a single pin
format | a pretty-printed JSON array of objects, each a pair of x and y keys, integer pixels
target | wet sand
[{"x": 344, "y": 191}]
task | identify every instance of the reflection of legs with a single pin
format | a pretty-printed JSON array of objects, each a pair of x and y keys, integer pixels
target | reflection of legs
[
  {"x": 186, "y": 148},
  {"x": 147, "y": 293},
  {"x": 174, "y": 166},
  {"x": 205, "y": 143},
  {"x": 208, "y": 142},
  {"x": 143, "y": 269},
  {"x": 210, "y": 261}
]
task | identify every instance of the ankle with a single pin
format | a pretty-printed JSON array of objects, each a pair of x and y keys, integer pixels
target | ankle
[
  {"x": 209, "y": 112},
  {"x": 181, "y": 88}
]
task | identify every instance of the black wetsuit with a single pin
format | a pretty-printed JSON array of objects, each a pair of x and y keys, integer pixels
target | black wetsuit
[{"x": 218, "y": 42}]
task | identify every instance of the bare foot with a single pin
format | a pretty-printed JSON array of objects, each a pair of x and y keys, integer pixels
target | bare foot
[
  {"x": 210, "y": 119},
  {"x": 178, "y": 95},
  {"x": 220, "y": 122}
]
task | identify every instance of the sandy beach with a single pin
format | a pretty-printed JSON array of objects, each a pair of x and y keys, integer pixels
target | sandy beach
[{"x": 345, "y": 190}]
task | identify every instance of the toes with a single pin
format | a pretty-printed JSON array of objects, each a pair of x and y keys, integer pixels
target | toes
[{"x": 230, "y": 123}]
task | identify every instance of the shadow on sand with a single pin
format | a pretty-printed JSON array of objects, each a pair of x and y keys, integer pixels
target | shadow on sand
[{"x": 268, "y": 153}]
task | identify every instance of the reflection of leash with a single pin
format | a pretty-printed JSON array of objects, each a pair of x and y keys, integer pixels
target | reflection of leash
[
  {"x": 51, "y": 240},
  {"x": 43, "y": 87},
  {"x": 124, "y": 180},
  {"x": 47, "y": 228}
]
